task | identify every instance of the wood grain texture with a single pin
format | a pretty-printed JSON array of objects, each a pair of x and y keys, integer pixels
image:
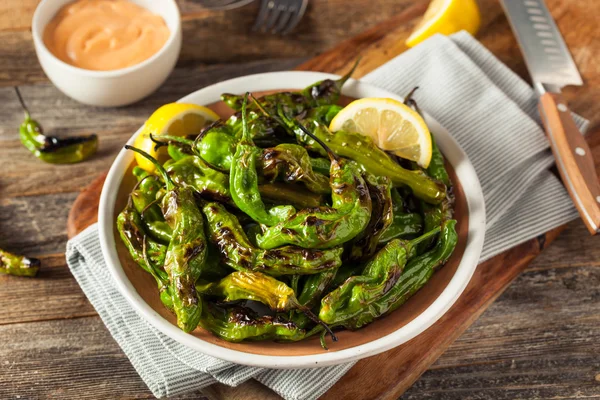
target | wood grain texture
[{"x": 538, "y": 340}]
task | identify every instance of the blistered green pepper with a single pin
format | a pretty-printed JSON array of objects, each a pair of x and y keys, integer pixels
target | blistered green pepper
[
  {"x": 12, "y": 264},
  {"x": 148, "y": 254},
  {"x": 52, "y": 149},
  {"x": 237, "y": 251},
  {"x": 235, "y": 324},
  {"x": 362, "y": 150},
  {"x": 291, "y": 163},
  {"x": 365, "y": 244},
  {"x": 186, "y": 252},
  {"x": 404, "y": 224},
  {"x": 144, "y": 198},
  {"x": 416, "y": 273},
  {"x": 243, "y": 181},
  {"x": 326, "y": 227},
  {"x": 192, "y": 172},
  {"x": 378, "y": 277}
]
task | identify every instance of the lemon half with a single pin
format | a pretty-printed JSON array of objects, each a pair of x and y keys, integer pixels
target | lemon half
[
  {"x": 178, "y": 119},
  {"x": 392, "y": 125}
]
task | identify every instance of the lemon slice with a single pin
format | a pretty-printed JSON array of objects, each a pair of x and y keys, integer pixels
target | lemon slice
[
  {"x": 178, "y": 119},
  {"x": 446, "y": 17},
  {"x": 392, "y": 125}
]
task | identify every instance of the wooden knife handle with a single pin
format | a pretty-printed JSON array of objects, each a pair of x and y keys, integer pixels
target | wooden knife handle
[{"x": 573, "y": 158}]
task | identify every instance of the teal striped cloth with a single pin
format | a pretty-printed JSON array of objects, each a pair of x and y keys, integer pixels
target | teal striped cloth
[{"x": 485, "y": 106}]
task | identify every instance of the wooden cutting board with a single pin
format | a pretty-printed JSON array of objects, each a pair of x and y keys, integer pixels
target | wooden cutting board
[{"x": 396, "y": 370}]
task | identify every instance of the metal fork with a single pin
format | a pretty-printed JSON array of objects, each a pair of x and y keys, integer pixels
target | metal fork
[{"x": 279, "y": 16}]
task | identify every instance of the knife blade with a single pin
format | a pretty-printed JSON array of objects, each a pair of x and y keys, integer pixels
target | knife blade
[
  {"x": 546, "y": 54},
  {"x": 551, "y": 67}
]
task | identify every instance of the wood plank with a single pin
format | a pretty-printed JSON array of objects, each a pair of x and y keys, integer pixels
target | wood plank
[
  {"x": 67, "y": 359},
  {"x": 52, "y": 294}
]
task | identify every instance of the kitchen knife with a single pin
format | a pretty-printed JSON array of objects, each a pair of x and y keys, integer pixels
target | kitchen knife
[{"x": 551, "y": 67}]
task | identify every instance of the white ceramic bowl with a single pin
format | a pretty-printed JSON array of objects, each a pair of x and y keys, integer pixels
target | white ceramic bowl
[
  {"x": 109, "y": 88},
  {"x": 356, "y": 89}
]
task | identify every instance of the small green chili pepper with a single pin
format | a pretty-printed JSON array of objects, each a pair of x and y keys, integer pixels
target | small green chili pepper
[
  {"x": 235, "y": 324},
  {"x": 243, "y": 181},
  {"x": 144, "y": 200},
  {"x": 315, "y": 286},
  {"x": 52, "y": 149},
  {"x": 192, "y": 172},
  {"x": 404, "y": 224},
  {"x": 365, "y": 245},
  {"x": 292, "y": 163},
  {"x": 247, "y": 285},
  {"x": 320, "y": 165},
  {"x": 295, "y": 195},
  {"x": 324, "y": 114},
  {"x": 237, "y": 251},
  {"x": 378, "y": 277},
  {"x": 145, "y": 252},
  {"x": 186, "y": 252},
  {"x": 362, "y": 150},
  {"x": 416, "y": 273},
  {"x": 12, "y": 264},
  {"x": 326, "y": 227}
]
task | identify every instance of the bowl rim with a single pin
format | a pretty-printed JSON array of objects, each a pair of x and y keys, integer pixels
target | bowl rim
[
  {"x": 277, "y": 80},
  {"x": 40, "y": 46}
]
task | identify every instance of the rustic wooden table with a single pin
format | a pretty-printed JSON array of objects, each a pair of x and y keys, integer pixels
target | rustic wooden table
[{"x": 541, "y": 339}]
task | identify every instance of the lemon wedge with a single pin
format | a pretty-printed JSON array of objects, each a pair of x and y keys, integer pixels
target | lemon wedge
[
  {"x": 177, "y": 119},
  {"x": 446, "y": 17},
  {"x": 391, "y": 125}
]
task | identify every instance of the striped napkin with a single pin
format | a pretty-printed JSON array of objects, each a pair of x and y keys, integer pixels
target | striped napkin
[{"x": 487, "y": 108}]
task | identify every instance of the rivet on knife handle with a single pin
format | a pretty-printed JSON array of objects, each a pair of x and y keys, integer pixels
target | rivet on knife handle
[{"x": 573, "y": 158}]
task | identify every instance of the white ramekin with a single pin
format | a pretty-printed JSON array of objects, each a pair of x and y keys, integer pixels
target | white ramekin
[{"x": 109, "y": 88}]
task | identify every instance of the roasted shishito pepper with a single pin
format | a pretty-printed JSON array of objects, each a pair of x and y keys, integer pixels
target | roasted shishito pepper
[
  {"x": 362, "y": 150},
  {"x": 235, "y": 324},
  {"x": 404, "y": 224},
  {"x": 378, "y": 277},
  {"x": 323, "y": 93},
  {"x": 243, "y": 180},
  {"x": 186, "y": 252},
  {"x": 415, "y": 275},
  {"x": 144, "y": 198},
  {"x": 365, "y": 245},
  {"x": 52, "y": 149},
  {"x": 147, "y": 253},
  {"x": 248, "y": 285},
  {"x": 326, "y": 227},
  {"x": 12, "y": 264},
  {"x": 239, "y": 253}
]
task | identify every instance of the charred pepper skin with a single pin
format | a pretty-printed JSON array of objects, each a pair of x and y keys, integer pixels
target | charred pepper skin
[
  {"x": 52, "y": 149},
  {"x": 235, "y": 324},
  {"x": 326, "y": 227},
  {"x": 243, "y": 181},
  {"x": 365, "y": 245},
  {"x": 291, "y": 163},
  {"x": 149, "y": 255},
  {"x": 404, "y": 224},
  {"x": 416, "y": 274},
  {"x": 237, "y": 251},
  {"x": 144, "y": 200},
  {"x": 378, "y": 277},
  {"x": 186, "y": 252},
  {"x": 362, "y": 150},
  {"x": 12, "y": 264}
]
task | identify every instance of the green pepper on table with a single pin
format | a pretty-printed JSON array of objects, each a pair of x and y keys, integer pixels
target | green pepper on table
[
  {"x": 13, "y": 264},
  {"x": 186, "y": 252},
  {"x": 52, "y": 149}
]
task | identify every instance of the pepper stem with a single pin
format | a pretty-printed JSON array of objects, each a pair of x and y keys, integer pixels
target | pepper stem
[
  {"x": 170, "y": 138},
  {"x": 316, "y": 320},
  {"x": 246, "y": 137},
  {"x": 330, "y": 153},
  {"x": 160, "y": 168},
  {"x": 425, "y": 236},
  {"x": 340, "y": 82},
  {"x": 412, "y": 103},
  {"x": 27, "y": 115}
]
